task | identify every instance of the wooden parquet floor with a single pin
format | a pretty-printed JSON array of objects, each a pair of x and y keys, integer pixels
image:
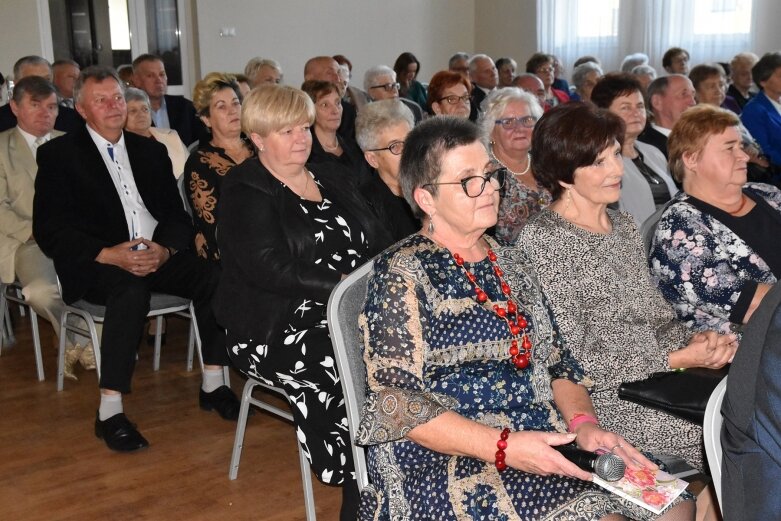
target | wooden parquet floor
[{"x": 52, "y": 467}]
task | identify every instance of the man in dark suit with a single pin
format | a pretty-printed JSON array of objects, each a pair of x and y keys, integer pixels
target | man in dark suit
[
  {"x": 107, "y": 212},
  {"x": 325, "y": 68},
  {"x": 668, "y": 96},
  {"x": 168, "y": 111},
  {"x": 67, "y": 118},
  {"x": 484, "y": 77}
]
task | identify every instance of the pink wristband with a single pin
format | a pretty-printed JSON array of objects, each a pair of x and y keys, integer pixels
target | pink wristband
[{"x": 581, "y": 418}]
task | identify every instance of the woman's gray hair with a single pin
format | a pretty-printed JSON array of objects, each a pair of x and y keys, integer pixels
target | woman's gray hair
[
  {"x": 644, "y": 69},
  {"x": 375, "y": 72},
  {"x": 256, "y": 63},
  {"x": 134, "y": 94},
  {"x": 633, "y": 60},
  {"x": 581, "y": 71},
  {"x": 377, "y": 116},
  {"x": 494, "y": 105}
]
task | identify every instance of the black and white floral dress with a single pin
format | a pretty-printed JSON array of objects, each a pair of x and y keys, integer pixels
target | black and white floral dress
[{"x": 303, "y": 363}]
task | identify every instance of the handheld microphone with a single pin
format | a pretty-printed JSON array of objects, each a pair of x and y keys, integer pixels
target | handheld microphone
[{"x": 607, "y": 466}]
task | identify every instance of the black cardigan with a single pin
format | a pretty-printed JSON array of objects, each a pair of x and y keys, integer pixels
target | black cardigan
[{"x": 267, "y": 248}]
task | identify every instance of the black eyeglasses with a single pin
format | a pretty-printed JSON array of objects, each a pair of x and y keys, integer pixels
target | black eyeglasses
[
  {"x": 388, "y": 87},
  {"x": 395, "y": 148},
  {"x": 513, "y": 123},
  {"x": 453, "y": 99},
  {"x": 474, "y": 185}
]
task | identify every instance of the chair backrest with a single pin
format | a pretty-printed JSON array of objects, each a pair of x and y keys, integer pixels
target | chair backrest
[
  {"x": 648, "y": 228},
  {"x": 183, "y": 194},
  {"x": 711, "y": 430},
  {"x": 344, "y": 307}
]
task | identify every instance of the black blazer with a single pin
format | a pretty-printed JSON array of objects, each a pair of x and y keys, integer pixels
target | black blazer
[
  {"x": 267, "y": 248},
  {"x": 77, "y": 211},
  {"x": 475, "y": 99},
  {"x": 347, "y": 127},
  {"x": 67, "y": 120},
  {"x": 183, "y": 119},
  {"x": 653, "y": 137}
]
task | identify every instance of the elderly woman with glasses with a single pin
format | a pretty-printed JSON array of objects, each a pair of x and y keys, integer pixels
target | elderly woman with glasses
[
  {"x": 542, "y": 65},
  {"x": 448, "y": 94},
  {"x": 463, "y": 358},
  {"x": 380, "y": 83},
  {"x": 584, "y": 78},
  {"x": 507, "y": 122}
]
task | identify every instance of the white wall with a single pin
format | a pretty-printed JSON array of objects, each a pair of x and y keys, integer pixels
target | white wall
[
  {"x": 506, "y": 28},
  {"x": 367, "y": 32},
  {"x": 19, "y": 32}
]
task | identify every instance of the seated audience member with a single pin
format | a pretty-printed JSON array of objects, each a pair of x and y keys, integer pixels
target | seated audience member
[
  {"x": 327, "y": 145},
  {"x": 407, "y": 68},
  {"x": 352, "y": 94},
  {"x": 448, "y": 94},
  {"x": 631, "y": 61},
  {"x": 244, "y": 87},
  {"x": 216, "y": 99},
  {"x": 542, "y": 65},
  {"x": 710, "y": 86},
  {"x": 451, "y": 373},
  {"x": 459, "y": 63},
  {"x": 484, "y": 77},
  {"x": 67, "y": 120},
  {"x": 668, "y": 97},
  {"x": 584, "y": 77},
  {"x": 168, "y": 111},
  {"x": 64, "y": 76},
  {"x": 750, "y": 434},
  {"x": 715, "y": 249},
  {"x": 325, "y": 68},
  {"x": 645, "y": 75},
  {"x": 125, "y": 73},
  {"x": 288, "y": 235},
  {"x": 761, "y": 115},
  {"x": 507, "y": 123},
  {"x": 590, "y": 264},
  {"x": 34, "y": 103},
  {"x": 586, "y": 59},
  {"x": 381, "y": 130},
  {"x": 260, "y": 71},
  {"x": 532, "y": 84},
  {"x": 676, "y": 61},
  {"x": 742, "y": 85},
  {"x": 646, "y": 185},
  {"x": 107, "y": 212},
  {"x": 506, "y": 69},
  {"x": 139, "y": 121},
  {"x": 559, "y": 73},
  {"x": 380, "y": 83}
]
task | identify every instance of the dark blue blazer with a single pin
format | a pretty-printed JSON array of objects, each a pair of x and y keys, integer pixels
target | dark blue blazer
[{"x": 764, "y": 122}]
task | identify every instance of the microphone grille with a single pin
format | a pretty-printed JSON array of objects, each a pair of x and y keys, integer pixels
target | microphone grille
[{"x": 609, "y": 467}]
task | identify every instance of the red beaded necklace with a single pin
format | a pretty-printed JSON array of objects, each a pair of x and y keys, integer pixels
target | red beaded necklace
[{"x": 515, "y": 320}]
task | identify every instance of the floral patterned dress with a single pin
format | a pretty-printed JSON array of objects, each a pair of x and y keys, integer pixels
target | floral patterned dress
[
  {"x": 701, "y": 265},
  {"x": 203, "y": 172},
  {"x": 519, "y": 204},
  {"x": 429, "y": 348}
]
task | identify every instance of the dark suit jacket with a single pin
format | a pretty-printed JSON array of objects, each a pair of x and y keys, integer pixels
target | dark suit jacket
[
  {"x": 347, "y": 126},
  {"x": 475, "y": 99},
  {"x": 77, "y": 211},
  {"x": 751, "y": 435},
  {"x": 183, "y": 119},
  {"x": 267, "y": 248},
  {"x": 67, "y": 120},
  {"x": 739, "y": 98},
  {"x": 653, "y": 137}
]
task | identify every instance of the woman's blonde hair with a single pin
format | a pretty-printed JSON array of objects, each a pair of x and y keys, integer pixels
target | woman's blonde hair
[
  {"x": 268, "y": 108},
  {"x": 208, "y": 86},
  {"x": 691, "y": 133}
]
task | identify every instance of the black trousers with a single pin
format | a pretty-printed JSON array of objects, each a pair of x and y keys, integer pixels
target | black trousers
[{"x": 126, "y": 298}]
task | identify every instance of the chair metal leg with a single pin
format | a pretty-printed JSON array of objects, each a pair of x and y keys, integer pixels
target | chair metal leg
[
  {"x": 37, "y": 344},
  {"x": 8, "y": 326},
  {"x": 241, "y": 426},
  {"x": 3, "y": 311},
  {"x": 61, "y": 350},
  {"x": 196, "y": 335},
  {"x": 190, "y": 346},
  {"x": 306, "y": 480},
  {"x": 158, "y": 341}
]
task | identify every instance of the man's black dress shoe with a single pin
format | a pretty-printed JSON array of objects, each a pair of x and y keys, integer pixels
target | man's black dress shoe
[
  {"x": 119, "y": 434},
  {"x": 223, "y": 400}
]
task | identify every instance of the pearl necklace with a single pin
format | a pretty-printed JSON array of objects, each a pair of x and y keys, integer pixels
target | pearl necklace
[
  {"x": 525, "y": 170},
  {"x": 331, "y": 147}
]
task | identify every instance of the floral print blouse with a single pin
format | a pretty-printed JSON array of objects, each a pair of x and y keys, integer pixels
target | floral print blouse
[
  {"x": 701, "y": 265},
  {"x": 519, "y": 204},
  {"x": 203, "y": 173}
]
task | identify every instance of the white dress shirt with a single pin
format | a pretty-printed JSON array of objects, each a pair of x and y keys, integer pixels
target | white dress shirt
[
  {"x": 160, "y": 116},
  {"x": 34, "y": 141}
]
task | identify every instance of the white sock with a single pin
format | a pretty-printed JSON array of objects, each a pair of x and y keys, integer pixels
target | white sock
[
  {"x": 110, "y": 405},
  {"x": 212, "y": 379}
]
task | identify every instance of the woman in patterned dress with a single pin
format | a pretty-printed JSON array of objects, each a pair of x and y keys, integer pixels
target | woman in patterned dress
[
  {"x": 507, "y": 120},
  {"x": 216, "y": 100},
  {"x": 449, "y": 375},
  {"x": 288, "y": 234}
]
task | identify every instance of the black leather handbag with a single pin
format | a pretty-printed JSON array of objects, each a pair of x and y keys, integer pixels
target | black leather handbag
[{"x": 683, "y": 394}]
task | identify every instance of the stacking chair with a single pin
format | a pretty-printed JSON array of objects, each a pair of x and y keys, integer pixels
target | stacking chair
[
  {"x": 344, "y": 307},
  {"x": 13, "y": 293},
  {"x": 711, "y": 431}
]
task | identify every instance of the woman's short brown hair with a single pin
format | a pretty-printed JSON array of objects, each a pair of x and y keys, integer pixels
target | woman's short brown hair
[
  {"x": 569, "y": 137},
  {"x": 208, "y": 86},
  {"x": 441, "y": 81},
  {"x": 316, "y": 89},
  {"x": 691, "y": 133},
  {"x": 271, "y": 107}
]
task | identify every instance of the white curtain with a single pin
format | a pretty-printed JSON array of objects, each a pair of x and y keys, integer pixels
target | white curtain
[{"x": 711, "y": 30}]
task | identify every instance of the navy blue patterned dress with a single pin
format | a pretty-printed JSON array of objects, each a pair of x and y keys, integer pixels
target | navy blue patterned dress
[{"x": 430, "y": 347}]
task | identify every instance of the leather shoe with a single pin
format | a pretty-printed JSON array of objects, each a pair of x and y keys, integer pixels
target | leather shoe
[
  {"x": 223, "y": 400},
  {"x": 119, "y": 434}
]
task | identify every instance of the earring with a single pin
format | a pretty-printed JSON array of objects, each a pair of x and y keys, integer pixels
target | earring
[
  {"x": 568, "y": 200},
  {"x": 260, "y": 149},
  {"x": 430, "y": 225}
]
